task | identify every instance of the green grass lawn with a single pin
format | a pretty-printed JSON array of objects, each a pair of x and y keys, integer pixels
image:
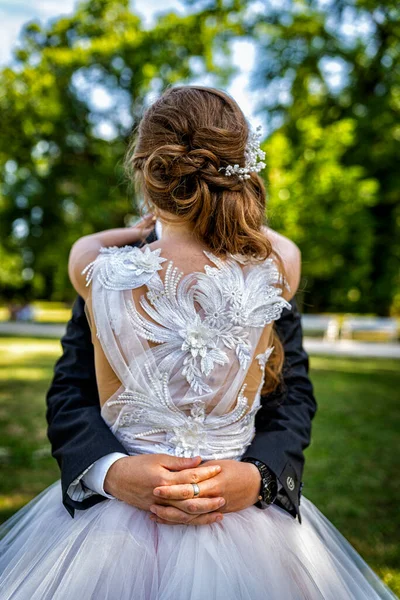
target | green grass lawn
[
  {"x": 352, "y": 465},
  {"x": 44, "y": 312}
]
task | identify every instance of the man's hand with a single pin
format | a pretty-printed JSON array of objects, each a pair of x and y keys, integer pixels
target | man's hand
[
  {"x": 142, "y": 228},
  {"x": 133, "y": 479},
  {"x": 238, "y": 484}
]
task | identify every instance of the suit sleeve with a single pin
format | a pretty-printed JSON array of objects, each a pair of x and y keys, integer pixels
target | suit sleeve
[
  {"x": 283, "y": 423},
  {"x": 78, "y": 434},
  {"x": 91, "y": 481}
]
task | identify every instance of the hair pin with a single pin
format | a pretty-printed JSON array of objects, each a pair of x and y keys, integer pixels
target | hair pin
[{"x": 254, "y": 157}]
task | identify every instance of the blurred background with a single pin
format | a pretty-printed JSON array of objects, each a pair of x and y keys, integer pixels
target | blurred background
[{"x": 323, "y": 79}]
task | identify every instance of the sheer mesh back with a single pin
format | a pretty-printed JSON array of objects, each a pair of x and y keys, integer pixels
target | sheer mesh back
[{"x": 166, "y": 342}]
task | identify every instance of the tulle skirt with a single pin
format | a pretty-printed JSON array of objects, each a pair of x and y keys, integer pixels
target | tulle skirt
[{"x": 113, "y": 551}]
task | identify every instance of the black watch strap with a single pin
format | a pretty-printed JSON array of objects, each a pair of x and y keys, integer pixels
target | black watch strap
[{"x": 269, "y": 483}]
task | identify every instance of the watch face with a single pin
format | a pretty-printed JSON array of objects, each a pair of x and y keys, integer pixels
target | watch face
[
  {"x": 269, "y": 483},
  {"x": 270, "y": 492}
]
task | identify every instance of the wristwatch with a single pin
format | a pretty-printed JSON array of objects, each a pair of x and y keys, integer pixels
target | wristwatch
[{"x": 269, "y": 483}]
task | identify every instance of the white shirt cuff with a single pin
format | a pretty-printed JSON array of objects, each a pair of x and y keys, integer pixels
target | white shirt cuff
[{"x": 91, "y": 481}]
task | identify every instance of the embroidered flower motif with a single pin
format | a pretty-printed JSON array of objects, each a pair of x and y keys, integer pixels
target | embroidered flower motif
[
  {"x": 136, "y": 418},
  {"x": 189, "y": 438},
  {"x": 197, "y": 338},
  {"x": 232, "y": 293},
  {"x": 213, "y": 319},
  {"x": 124, "y": 268},
  {"x": 231, "y": 300},
  {"x": 231, "y": 304},
  {"x": 143, "y": 262},
  {"x": 237, "y": 315},
  {"x": 200, "y": 342},
  {"x": 198, "y": 323},
  {"x": 253, "y": 300}
]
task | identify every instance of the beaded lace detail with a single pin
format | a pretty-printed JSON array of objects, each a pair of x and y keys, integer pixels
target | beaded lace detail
[
  {"x": 231, "y": 303},
  {"x": 206, "y": 326},
  {"x": 186, "y": 434},
  {"x": 125, "y": 267}
]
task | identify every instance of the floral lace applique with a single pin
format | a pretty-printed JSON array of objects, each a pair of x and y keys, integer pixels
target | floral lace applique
[
  {"x": 197, "y": 322},
  {"x": 231, "y": 301},
  {"x": 124, "y": 268},
  {"x": 186, "y": 434}
]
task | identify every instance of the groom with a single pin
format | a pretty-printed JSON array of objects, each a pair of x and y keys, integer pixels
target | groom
[{"x": 89, "y": 454}]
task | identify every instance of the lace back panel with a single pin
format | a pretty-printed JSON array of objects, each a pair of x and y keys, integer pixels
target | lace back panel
[{"x": 189, "y": 351}]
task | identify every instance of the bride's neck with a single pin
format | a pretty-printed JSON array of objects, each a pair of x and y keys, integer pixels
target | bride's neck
[{"x": 176, "y": 232}]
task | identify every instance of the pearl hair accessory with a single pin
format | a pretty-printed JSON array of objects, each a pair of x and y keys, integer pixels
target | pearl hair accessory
[{"x": 252, "y": 154}]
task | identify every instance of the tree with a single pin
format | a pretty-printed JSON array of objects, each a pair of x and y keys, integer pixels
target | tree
[
  {"x": 331, "y": 70},
  {"x": 60, "y": 151},
  {"x": 325, "y": 70},
  {"x": 325, "y": 207},
  {"x": 330, "y": 95}
]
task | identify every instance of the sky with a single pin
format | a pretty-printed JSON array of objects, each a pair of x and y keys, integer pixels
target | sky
[{"x": 14, "y": 13}]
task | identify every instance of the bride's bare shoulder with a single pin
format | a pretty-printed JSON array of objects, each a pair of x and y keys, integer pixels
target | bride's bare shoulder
[{"x": 290, "y": 255}]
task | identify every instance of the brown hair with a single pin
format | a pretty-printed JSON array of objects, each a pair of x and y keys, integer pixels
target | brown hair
[{"x": 174, "y": 157}]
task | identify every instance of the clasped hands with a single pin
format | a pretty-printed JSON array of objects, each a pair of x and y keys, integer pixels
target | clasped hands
[{"x": 161, "y": 484}]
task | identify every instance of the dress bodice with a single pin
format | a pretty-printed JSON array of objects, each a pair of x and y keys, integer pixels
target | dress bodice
[{"x": 188, "y": 350}]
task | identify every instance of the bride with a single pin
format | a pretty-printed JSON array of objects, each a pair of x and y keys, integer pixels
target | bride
[{"x": 184, "y": 342}]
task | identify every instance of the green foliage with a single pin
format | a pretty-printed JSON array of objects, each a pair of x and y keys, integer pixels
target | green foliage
[
  {"x": 329, "y": 75},
  {"x": 325, "y": 207},
  {"x": 10, "y": 270},
  {"x": 334, "y": 177},
  {"x": 62, "y": 173}
]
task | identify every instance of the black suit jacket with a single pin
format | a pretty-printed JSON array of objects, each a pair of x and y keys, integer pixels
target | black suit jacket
[{"x": 79, "y": 436}]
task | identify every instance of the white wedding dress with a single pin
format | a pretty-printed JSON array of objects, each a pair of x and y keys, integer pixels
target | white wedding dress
[{"x": 189, "y": 356}]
